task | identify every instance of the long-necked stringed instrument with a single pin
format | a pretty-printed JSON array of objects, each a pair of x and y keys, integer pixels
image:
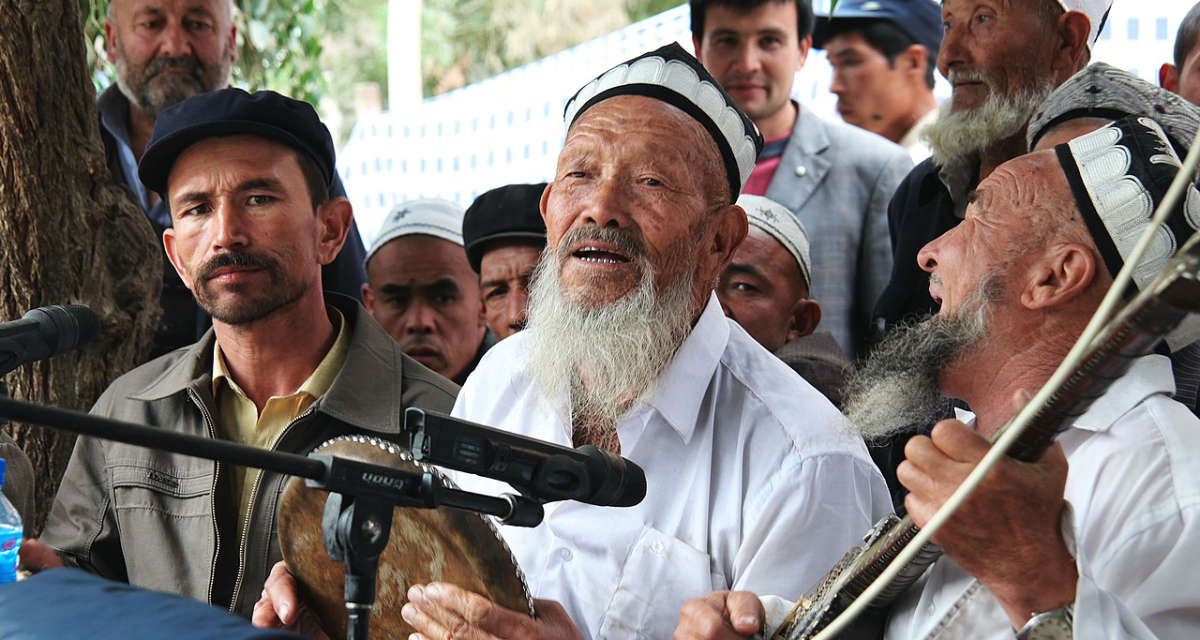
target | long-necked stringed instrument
[{"x": 1135, "y": 332}]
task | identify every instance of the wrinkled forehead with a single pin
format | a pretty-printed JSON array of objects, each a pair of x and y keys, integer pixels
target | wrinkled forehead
[
  {"x": 639, "y": 122},
  {"x": 220, "y": 9},
  {"x": 1020, "y": 189}
]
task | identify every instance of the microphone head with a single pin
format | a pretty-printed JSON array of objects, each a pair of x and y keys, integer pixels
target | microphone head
[
  {"x": 65, "y": 327},
  {"x": 618, "y": 481}
]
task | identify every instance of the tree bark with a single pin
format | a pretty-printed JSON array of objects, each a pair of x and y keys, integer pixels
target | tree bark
[{"x": 68, "y": 235}]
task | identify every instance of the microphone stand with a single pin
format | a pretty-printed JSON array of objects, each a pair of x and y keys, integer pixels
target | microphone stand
[{"x": 358, "y": 513}]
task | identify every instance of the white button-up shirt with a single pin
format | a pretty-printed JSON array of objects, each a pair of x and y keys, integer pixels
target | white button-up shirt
[
  {"x": 1132, "y": 522},
  {"x": 752, "y": 482}
]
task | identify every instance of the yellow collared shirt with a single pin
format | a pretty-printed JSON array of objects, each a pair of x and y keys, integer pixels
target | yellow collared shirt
[{"x": 238, "y": 419}]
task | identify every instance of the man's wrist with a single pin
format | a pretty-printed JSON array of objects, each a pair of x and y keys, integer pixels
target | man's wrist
[{"x": 1055, "y": 624}]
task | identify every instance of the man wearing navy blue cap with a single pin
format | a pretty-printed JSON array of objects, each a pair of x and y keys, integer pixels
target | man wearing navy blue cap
[
  {"x": 883, "y": 54},
  {"x": 285, "y": 366}
]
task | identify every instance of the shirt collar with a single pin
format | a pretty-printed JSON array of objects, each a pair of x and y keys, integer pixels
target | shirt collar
[
  {"x": 679, "y": 393},
  {"x": 114, "y": 113},
  {"x": 1147, "y": 376},
  {"x": 317, "y": 383}
]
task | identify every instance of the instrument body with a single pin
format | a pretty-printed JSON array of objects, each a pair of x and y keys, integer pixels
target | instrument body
[
  {"x": 425, "y": 545},
  {"x": 1135, "y": 332}
]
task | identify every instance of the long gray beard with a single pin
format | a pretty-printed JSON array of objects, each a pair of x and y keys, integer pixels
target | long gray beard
[
  {"x": 956, "y": 136},
  {"x": 620, "y": 349},
  {"x": 896, "y": 388}
]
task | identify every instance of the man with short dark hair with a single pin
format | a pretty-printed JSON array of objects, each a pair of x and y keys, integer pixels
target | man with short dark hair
[
  {"x": 835, "y": 178},
  {"x": 421, "y": 290},
  {"x": 883, "y": 54},
  {"x": 1183, "y": 77},
  {"x": 504, "y": 236},
  {"x": 165, "y": 51},
  {"x": 285, "y": 366},
  {"x": 765, "y": 289}
]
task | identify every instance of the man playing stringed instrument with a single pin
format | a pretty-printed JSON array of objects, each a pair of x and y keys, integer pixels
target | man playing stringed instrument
[{"x": 1099, "y": 548}]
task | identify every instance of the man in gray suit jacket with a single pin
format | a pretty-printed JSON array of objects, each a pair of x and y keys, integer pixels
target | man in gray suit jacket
[{"x": 837, "y": 179}]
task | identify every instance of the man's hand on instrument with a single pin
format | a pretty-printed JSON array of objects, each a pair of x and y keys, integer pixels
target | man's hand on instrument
[
  {"x": 1008, "y": 533},
  {"x": 281, "y": 607},
  {"x": 721, "y": 615},
  {"x": 440, "y": 611}
]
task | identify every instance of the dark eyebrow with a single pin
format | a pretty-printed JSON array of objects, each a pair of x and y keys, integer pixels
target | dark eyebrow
[
  {"x": 437, "y": 286},
  {"x": 252, "y": 184},
  {"x": 270, "y": 184},
  {"x": 745, "y": 268}
]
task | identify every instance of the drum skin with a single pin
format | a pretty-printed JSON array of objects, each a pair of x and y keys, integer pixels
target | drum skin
[{"x": 426, "y": 545}]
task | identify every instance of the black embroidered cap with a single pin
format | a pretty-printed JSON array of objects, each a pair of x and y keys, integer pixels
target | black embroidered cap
[
  {"x": 674, "y": 76},
  {"x": 1118, "y": 175}
]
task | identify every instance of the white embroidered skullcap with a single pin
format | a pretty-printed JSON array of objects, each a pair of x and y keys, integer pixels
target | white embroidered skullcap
[
  {"x": 428, "y": 216},
  {"x": 1104, "y": 91},
  {"x": 1095, "y": 10},
  {"x": 1118, "y": 176},
  {"x": 781, "y": 224},
  {"x": 674, "y": 76}
]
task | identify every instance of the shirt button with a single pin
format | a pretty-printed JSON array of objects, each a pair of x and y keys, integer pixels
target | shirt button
[
  {"x": 801, "y": 171},
  {"x": 565, "y": 554},
  {"x": 657, "y": 547}
]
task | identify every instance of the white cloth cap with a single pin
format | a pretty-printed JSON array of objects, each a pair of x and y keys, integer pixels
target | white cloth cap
[
  {"x": 783, "y": 225},
  {"x": 1095, "y": 10},
  {"x": 429, "y": 216}
]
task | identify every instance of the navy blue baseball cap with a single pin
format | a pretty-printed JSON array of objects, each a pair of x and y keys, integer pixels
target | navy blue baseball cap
[
  {"x": 920, "y": 20},
  {"x": 230, "y": 112},
  {"x": 511, "y": 212}
]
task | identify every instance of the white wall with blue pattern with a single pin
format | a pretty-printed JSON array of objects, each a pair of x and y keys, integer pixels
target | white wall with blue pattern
[{"x": 509, "y": 129}]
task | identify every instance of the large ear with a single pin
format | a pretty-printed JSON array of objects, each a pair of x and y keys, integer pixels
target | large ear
[
  {"x": 1168, "y": 77},
  {"x": 806, "y": 315},
  {"x": 1073, "y": 28},
  {"x": 805, "y": 47},
  {"x": 915, "y": 60},
  {"x": 172, "y": 250},
  {"x": 333, "y": 223},
  {"x": 110, "y": 41},
  {"x": 1063, "y": 272},
  {"x": 233, "y": 50},
  {"x": 696, "y": 48},
  {"x": 368, "y": 297},
  {"x": 731, "y": 228}
]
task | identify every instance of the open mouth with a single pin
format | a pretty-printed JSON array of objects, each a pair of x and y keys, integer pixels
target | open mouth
[{"x": 599, "y": 255}]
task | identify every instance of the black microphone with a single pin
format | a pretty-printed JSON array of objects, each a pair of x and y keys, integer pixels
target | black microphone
[
  {"x": 538, "y": 469},
  {"x": 45, "y": 332}
]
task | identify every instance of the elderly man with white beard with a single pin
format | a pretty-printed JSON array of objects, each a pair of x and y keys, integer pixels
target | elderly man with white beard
[
  {"x": 627, "y": 348},
  {"x": 1095, "y": 539}
]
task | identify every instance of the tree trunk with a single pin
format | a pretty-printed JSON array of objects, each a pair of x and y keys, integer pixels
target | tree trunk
[{"x": 67, "y": 234}]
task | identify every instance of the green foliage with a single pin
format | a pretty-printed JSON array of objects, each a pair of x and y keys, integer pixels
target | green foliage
[
  {"x": 642, "y": 9},
  {"x": 279, "y": 44}
]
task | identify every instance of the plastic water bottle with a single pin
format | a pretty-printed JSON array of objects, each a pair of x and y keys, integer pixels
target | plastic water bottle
[{"x": 10, "y": 535}]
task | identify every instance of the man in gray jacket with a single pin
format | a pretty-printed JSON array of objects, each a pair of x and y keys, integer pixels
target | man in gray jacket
[
  {"x": 836, "y": 178},
  {"x": 284, "y": 367}
]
